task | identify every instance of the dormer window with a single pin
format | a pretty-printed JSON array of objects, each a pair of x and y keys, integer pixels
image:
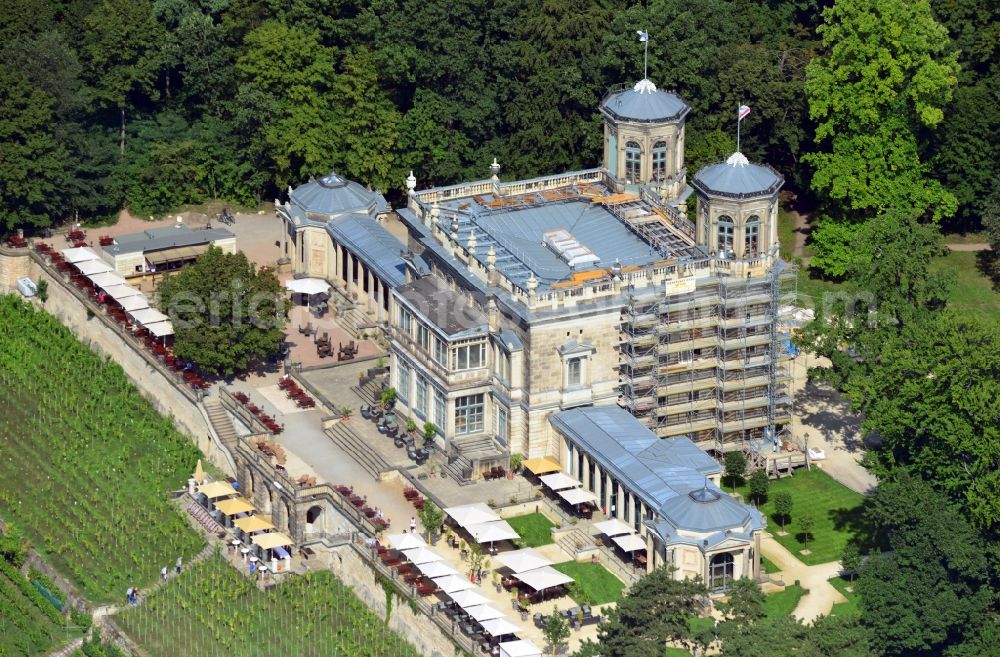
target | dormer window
[{"x": 574, "y": 371}]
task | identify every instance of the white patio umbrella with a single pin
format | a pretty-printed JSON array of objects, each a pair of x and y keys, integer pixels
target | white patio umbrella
[
  {"x": 308, "y": 286},
  {"x": 406, "y": 541},
  {"x": 499, "y": 627},
  {"x": 131, "y": 304},
  {"x": 434, "y": 569},
  {"x": 613, "y": 527},
  {"x": 519, "y": 648},
  {"x": 106, "y": 279},
  {"x": 146, "y": 316},
  {"x": 559, "y": 481},
  {"x": 471, "y": 514},
  {"x": 544, "y": 578},
  {"x": 577, "y": 495},
  {"x": 453, "y": 583},
  {"x": 467, "y": 598},
  {"x": 119, "y": 292},
  {"x": 422, "y": 555},
  {"x": 89, "y": 267},
  {"x": 523, "y": 560},
  {"x": 488, "y": 532},
  {"x": 484, "y": 613},
  {"x": 79, "y": 254},
  {"x": 630, "y": 542}
]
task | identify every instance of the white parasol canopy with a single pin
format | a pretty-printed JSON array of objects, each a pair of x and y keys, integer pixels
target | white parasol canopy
[
  {"x": 519, "y": 648},
  {"x": 466, "y": 599},
  {"x": 434, "y": 569},
  {"x": 613, "y": 527},
  {"x": 406, "y": 541},
  {"x": 523, "y": 560},
  {"x": 148, "y": 316},
  {"x": 106, "y": 279},
  {"x": 559, "y": 481},
  {"x": 79, "y": 254},
  {"x": 119, "y": 292},
  {"x": 577, "y": 495},
  {"x": 452, "y": 583},
  {"x": 485, "y": 613},
  {"x": 91, "y": 267},
  {"x": 160, "y": 329},
  {"x": 499, "y": 627},
  {"x": 422, "y": 555},
  {"x": 488, "y": 532},
  {"x": 471, "y": 514},
  {"x": 131, "y": 304},
  {"x": 308, "y": 286},
  {"x": 630, "y": 542},
  {"x": 544, "y": 578}
]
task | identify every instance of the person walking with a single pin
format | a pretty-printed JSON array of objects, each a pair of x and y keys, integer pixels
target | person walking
[
  {"x": 178, "y": 566},
  {"x": 163, "y": 573},
  {"x": 128, "y": 595},
  {"x": 413, "y": 525}
]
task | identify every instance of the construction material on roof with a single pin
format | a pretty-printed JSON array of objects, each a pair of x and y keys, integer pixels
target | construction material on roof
[{"x": 564, "y": 245}]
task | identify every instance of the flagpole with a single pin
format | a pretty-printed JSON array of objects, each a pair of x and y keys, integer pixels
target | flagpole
[
  {"x": 645, "y": 59},
  {"x": 739, "y": 119}
]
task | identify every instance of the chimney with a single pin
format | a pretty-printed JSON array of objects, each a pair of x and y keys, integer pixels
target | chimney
[{"x": 493, "y": 312}]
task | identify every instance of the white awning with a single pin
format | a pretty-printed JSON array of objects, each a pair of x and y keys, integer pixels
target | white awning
[
  {"x": 434, "y": 569},
  {"x": 499, "y": 627},
  {"x": 160, "y": 329},
  {"x": 577, "y": 495},
  {"x": 489, "y": 532},
  {"x": 119, "y": 292},
  {"x": 422, "y": 555},
  {"x": 91, "y": 267},
  {"x": 307, "y": 286},
  {"x": 613, "y": 527},
  {"x": 471, "y": 514},
  {"x": 452, "y": 583},
  {"x": 106, "y": 279},
  {"x": 484, "y": 613},
  {"x": 630, "y": 542},
  {"x": 559, "y": 481},
  {"x": 544, "y": 578},
  {"x": 79, "y": 254},
  {"x": 519, "y": 648},
  {"x": 466, "y": 599},
  {"x": 406, "y": 541},
  {"x": 523, "y": 560},
  {"x": 148, "y": 316},
  {"x": 131, "y": 304}
]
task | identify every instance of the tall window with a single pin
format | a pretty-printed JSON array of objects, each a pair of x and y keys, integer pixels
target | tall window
[
  {"x": 405, "y": 320},
  {"x": 751, "y": 245},
  {"x": 440, "y": 351},
  {"x": 468, "y": 414},
  {"x": 469, "y": 356},
  {"x": 502, "y": 425},
  {"x": 659, "y": 161},
  {"x": 403, "y": 381},
  {"x": 440, "y": 410},
  {"x": 420, "y": 403},
  {"x": 423, "y": 336},
  {"x": 725, "y": 233},
  {"x": 633, "y": 161},
  {"x": 503, "y": 366},
  {"x": 720, "y": 571},
  {"x": 574, "y": 374}
]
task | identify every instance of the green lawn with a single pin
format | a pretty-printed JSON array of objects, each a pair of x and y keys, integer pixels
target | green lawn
[
  {"x": 850, "y": 607},
  {"x": 594, "y": 584},
  {"x": 835, "y": 509},
  {"x": 768, "y": 565},
  {"x": 534, "y": 529},
  {"x": 783, "y": 603},
  {"x": 677, "y": 652},
  {"x": 700, "y": 624},
  {"x": 786, "y": 233},
  {"x": 973, "y": 292}
]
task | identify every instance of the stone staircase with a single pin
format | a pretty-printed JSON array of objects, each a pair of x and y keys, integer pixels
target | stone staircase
[
  {"x": 354, "y": 445},
  {"x": 369, "y": 392},
  {"x": 569, "y": 541},
  {"x": 459, "y": 469},
  {"x": 221, "y": 422},
  {"x": 68, "y": 649},
  {"x": 351, "y": 320}
]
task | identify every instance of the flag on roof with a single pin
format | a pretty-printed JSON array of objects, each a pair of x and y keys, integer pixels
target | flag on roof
[
  {"x": 744, "y": 110},
  {"x": 643, "y": 36}
]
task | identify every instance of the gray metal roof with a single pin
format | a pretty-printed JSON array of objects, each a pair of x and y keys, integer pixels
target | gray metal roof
[
  {"x": 644, "y": 103},
  {"x": 168, "y": 237},
  {"x": 368, "y": 239},
  {"x": 663, "y": 472},
  {"x": 446, "y": 310},
  {"x": 517, "y": 236},
  {"x": 737, "y": 177},
  {"x": 333, "y": 195}
]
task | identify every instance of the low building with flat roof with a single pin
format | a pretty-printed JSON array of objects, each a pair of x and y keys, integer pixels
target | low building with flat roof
[{"x": 157, "y": 250}]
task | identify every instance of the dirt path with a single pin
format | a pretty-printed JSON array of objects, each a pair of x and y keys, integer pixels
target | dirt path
[
  {"x": 820, "y": 595},
  {"x": 976, "y": 246}
]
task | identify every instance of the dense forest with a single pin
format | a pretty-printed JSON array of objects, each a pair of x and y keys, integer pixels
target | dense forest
[{"x": 151, "y": 104}]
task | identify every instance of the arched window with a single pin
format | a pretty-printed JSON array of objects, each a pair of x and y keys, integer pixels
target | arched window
[
  {"x": 720, "y": 571},
  {"x": 659, "y": 161},
  {"x": 725, "y": 234},
  {"x": 751, "y": 245},
  {"x": 633, "y": 162}
]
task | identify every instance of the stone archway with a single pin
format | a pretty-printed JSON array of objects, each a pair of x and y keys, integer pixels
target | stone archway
[{"x": 315, "y": 519}]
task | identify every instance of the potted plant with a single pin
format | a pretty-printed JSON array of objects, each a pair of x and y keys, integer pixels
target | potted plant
[
  {"x": 430, "y": 430},
  {"x": 496, "y": 581},
  {"x": 516, "y": 459},
  {"x": 345, "y": 413},
  {"x": 388, "y": 398},
  {"x": 411, "y": 427},
  {"x": 525, "y": 608},
  {"x": 513, "y": 499}
]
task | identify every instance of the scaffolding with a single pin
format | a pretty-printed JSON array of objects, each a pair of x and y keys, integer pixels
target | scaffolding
[{"x": 710, "y": 363}]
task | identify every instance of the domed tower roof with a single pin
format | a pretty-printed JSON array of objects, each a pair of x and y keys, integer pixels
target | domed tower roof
[
  {"x": 737, "y": 177},
  {"x": 644, "y": 103},
  {"x": 332, "y": 196}
]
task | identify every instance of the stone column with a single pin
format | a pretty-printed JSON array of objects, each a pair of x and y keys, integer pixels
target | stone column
[
  {"x": 756, "y": 555},
  {"x": 585, "y": 475}
]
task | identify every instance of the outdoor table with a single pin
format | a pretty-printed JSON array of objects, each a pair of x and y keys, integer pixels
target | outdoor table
[
  {"x": 235, "y": 543},
  {"x": 254, "y": 559},
  {"x": 245, "y": 552}
]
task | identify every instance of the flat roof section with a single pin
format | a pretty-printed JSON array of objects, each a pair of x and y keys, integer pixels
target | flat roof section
[
  {"x": 169, "y": 237},
  {"x": 446, "y": 309}
]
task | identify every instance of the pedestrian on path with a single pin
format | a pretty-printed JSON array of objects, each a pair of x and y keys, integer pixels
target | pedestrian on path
[
  {"x": 178, "y": 567},
  {"x": 163, "y": 573},
  {"x": 413, "y": 525},
  {"x": 128, "y": 595}
]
